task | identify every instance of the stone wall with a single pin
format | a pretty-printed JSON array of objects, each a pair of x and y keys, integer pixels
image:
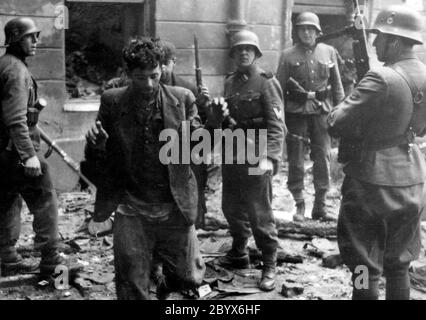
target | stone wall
[{"x": 178, "y": 21}]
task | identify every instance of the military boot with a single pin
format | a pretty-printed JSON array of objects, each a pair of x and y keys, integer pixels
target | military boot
[
  {"x": 319, "y": 211},
  {"x": 51, "y": 259},
  {"x": 299, "y": 216},
  {"x": 12, "y": 263},
  {"x": 237, "y": 257},
  {"x": 269, "y": 275}
]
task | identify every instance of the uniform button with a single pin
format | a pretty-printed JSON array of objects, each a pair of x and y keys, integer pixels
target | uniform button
[
  {"x": 312, "y": 61},
  {"x": 312, "y": 81},
  {"x": 313, "y": 71}
]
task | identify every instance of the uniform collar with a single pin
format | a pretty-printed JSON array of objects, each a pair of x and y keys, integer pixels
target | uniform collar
[
  {"x": 16, "y": 54},
  {"x": 404, "y": 56},
  {"x": 308, "y": 49},
  {"x": 247, "y": 72}
]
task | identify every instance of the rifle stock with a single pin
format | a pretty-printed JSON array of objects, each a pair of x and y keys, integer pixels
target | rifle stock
[{"x": 66, "y": 158}]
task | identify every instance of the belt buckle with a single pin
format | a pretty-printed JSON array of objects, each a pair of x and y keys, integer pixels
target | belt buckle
[{"x": 312, "y": 95}]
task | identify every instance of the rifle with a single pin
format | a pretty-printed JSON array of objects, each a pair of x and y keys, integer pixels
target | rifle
[
  {"x": 40, "y": 105},
  {"x": 198, "y": 73},
  {"x": 199, "y": 78},
  {"x": 350, "y": 150}
]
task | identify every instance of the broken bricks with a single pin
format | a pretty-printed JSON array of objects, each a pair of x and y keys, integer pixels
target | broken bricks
[{"x": 290, "y": 290}]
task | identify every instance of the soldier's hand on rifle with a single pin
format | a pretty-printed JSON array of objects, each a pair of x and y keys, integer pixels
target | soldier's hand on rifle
[
  {"x": 32, "y": 167},
  {"x": 217, "y": 111},
  {"x": 203, "y": 95},
  {"x": 97, "y": 135}
]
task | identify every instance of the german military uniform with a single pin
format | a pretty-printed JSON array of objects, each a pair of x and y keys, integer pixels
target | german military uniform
[
  {"x": 255, "y": 102},
  {"x": 384, "y": 189},
  {"x": 311, "y": 84}
]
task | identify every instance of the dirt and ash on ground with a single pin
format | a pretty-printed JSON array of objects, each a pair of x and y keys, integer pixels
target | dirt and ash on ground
[{"x": 309, "y": 265}]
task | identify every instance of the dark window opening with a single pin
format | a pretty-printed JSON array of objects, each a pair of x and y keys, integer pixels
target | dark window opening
[{"x": 94, "y": 41}]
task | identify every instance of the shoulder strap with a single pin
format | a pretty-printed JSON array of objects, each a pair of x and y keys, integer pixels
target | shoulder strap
[
  {"x": 418, "y": 98},
  {"x": 417, "y": 94}
]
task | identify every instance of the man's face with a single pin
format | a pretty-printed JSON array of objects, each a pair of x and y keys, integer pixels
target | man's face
[
  {"x": 244, "y": 56},
  {"x": 29, "y": 44},
  {"x": 380, "y": 43},
  {"x": 146, "y": 81},
  {"x": 167, "y": 70},
  {"x": 307, "y": 34}
]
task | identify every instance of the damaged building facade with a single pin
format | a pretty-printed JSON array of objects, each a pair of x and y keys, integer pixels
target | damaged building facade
[{"x": 81, "y": 42}]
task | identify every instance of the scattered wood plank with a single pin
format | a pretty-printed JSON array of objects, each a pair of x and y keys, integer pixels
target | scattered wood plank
[{"x": 308, "y": 228}]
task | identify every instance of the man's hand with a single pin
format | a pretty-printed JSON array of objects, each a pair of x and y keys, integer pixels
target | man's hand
[
  {"x": 32, "y": 167},
  {"x": 203, "y": 96},
  {"x": 217, "y": 111},
  {"x": 97, "y": 135}
]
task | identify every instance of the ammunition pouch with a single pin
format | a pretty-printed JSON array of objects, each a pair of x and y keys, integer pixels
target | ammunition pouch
[{"x": 32, "y": 116}]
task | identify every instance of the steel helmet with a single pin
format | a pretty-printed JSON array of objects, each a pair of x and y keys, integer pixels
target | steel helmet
[
  {"x": 245, "y": 37},
  {"x": 17, "y": 28},
  {"x": 400, "y": 21},
  {"x": 308, "y": 19}
]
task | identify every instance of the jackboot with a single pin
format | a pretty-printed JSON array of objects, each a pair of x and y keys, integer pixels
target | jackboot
[
  {"x": 299, "y": 216},
  {"x": 237, "y": 257},
  {"x": 12, "y": 263},
  {"x": 50, "y": 260},
  {"x": 269, "y": 275},
  {"x": 268, "y": 279},
  {"x": 319, "y": 211}
]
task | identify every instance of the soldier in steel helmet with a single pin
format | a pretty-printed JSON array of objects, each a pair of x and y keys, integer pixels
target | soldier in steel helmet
[
  {"x": 384, "y": 190},
  {"x": 253, "y": 101},
  {"x": 23, "y": 172},
  {"x": 309, "y": 76}
]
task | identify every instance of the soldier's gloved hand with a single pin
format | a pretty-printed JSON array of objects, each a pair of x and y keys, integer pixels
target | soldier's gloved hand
[
  {"x": 97, "y": 135},
  {"x": 203, "y": 96},
  {"x": 32, "y": 167},
  {"x": 217, "y": 112}
]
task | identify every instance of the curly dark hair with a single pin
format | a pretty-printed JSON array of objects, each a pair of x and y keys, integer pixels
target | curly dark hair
[
  {"x": 144, "y": 53},
  {"x": 169, "y": 51}
]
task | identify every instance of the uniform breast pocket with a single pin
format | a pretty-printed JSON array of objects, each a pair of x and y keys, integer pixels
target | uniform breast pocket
[
  {"x": 324, "y": 70},
  {"x": 298, "y": 70},
  {"x": 251, "y": 105}
]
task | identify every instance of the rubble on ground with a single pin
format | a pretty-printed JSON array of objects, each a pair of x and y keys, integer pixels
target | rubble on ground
[{"x": 309, "y": 264}]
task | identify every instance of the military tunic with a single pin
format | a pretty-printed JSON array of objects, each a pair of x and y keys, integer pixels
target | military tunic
[
  {"x": 255, "y": 102},
  {"x": 383, "y": 192},
  {"x": 19, "y": 141},
  {"x": 315, "y": 70}
]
